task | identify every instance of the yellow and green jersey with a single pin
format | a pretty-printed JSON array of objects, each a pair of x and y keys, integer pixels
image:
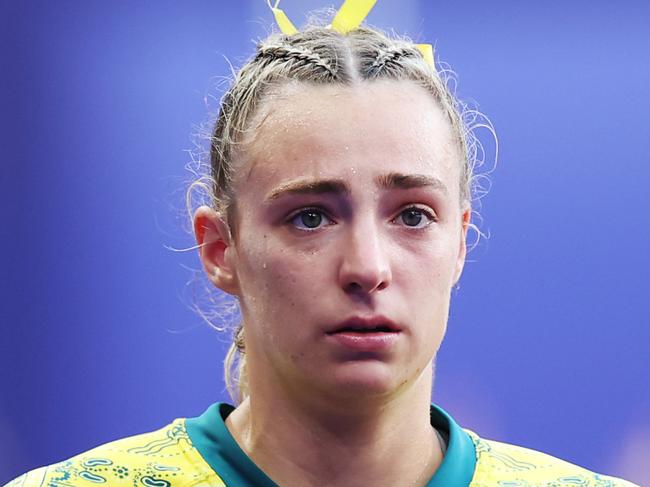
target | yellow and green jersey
[{"x": 202, "y": 452}]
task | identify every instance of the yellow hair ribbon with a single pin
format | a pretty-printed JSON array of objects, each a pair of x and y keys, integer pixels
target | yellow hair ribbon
[
  {"x": 348, "y": 18},
  {"x": 427, "y": 53},
  {"x": 351, "y": 14},
  {"x": 286, "y": 26}
]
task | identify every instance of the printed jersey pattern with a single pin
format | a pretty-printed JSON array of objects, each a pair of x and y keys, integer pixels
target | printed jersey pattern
[
  {"x": 504, "y": 465},
  {"x": 163, "y": 458},
  {"x": 167, "y": 458}
]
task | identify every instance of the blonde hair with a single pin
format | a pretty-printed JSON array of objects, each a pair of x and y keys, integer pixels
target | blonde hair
[{"x": 319, "y": 55}]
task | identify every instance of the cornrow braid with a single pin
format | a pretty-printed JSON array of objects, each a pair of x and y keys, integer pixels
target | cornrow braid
[
  {"x": 388, "y": 57},
  {"x": 290, "y": 53}
]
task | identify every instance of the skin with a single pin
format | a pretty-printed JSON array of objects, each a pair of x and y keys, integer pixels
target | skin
[{"x": 383, "y": 155}]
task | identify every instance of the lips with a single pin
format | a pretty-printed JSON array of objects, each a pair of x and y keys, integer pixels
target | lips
[
  {"x": 363, "y": 325},
  {"x": 365, "y": 338}
]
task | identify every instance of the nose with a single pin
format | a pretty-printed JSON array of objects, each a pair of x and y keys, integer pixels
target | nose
[{"x": 365, "y": 266}]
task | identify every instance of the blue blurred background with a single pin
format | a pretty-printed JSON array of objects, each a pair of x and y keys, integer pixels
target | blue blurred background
[{"x": 548, "y": 334}]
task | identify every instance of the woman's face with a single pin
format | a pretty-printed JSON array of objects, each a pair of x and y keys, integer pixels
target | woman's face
[{"x": 349, "y": 237}]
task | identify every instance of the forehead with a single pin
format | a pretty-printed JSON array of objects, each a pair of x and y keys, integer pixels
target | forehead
[{"x": 339, "y": 131}]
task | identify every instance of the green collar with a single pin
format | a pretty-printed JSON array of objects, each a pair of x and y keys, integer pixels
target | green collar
[{"x": 219, "y": 449}]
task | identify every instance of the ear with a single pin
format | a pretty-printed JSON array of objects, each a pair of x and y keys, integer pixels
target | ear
[
  {"x": 216, "y": 249},
  {"x": 462, "y": 249}
]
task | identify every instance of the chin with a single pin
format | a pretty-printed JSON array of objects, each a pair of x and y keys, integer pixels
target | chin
[{"x": 367, "y": 379}]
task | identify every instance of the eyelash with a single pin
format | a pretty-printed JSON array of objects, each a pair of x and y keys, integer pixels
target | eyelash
[
  {"x": 304, "y": 211},
  {"x": 429, "y": 215}
]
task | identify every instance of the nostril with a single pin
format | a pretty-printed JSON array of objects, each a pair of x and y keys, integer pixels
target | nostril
[{"x": 354, "y": 287}]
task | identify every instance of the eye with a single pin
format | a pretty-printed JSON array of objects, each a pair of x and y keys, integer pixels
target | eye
[
  {"x": 415, "y": 217},
  {"x": 309, "y": 219}
]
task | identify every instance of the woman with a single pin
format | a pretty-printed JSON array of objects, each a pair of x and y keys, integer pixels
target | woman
[{"x": 341, "y": 183}]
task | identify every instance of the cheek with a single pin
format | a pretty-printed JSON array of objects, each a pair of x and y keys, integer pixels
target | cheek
[
  {"x": 425, "y": 284},
  {"x": 275, "y": 282},
  {"x": 279, "y": 303},
  {"x": 429, "y": 267}
]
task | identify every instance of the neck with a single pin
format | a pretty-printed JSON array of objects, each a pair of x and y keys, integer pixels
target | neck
[{"x": 374, "y": 442}]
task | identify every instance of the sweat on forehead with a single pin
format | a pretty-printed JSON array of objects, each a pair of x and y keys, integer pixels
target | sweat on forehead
[{"x": 371, "y": 119}]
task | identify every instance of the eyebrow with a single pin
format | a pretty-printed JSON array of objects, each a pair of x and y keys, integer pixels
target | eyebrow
[
  {"x": 340, "y": 187},
  {"x": 320, "y": 186},
  {"x": 396, "y": 180}
]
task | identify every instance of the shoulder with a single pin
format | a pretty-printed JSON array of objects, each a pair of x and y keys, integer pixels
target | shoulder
[
  {"x": 162, "y": 458},
  {"x": 503, "y": 464}
]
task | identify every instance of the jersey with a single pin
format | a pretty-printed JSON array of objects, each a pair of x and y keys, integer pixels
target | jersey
[{"x": 201, "y": 452}]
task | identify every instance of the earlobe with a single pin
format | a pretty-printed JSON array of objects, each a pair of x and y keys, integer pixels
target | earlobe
[
  {"x": 215, "y": 248},
  {"x": 462, "y": 250}
]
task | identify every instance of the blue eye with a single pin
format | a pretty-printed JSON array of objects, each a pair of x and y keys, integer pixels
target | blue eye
[
  {"x": 415, "y": 217},
  {"x": 309, "y": 219}
]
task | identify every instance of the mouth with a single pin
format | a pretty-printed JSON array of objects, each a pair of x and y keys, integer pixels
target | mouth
[
  {"x": 372, "y": 337},
  {"x": 365, "y": 325}
]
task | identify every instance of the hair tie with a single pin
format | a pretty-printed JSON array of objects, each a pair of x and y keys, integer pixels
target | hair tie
[{"x": 348, "y": 17}]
